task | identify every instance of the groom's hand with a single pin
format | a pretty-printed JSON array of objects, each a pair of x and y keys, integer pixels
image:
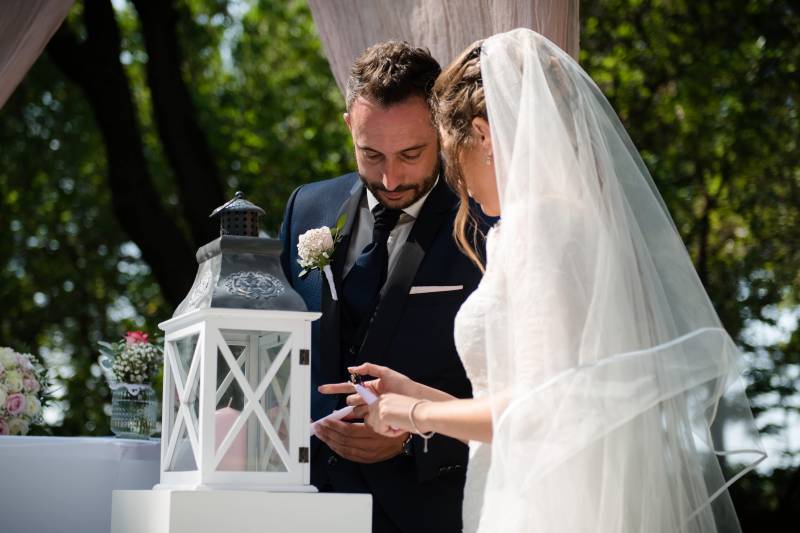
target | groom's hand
[{"x": 357, "y": 442}]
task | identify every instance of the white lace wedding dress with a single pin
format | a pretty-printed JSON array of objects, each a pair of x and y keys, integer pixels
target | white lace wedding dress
[{"x": 470, "y": 341}]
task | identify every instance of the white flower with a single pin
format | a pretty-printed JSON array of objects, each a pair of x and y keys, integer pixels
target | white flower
[
  {"x": 32, "y": 405},
  {"x": 18, "y": 426},
  {"x": 315, "y": 250},
  {"x": 13, "y": 381},
  {"x": 3, "y": 397},
  {"x": 8, "y": 357},
  {"x": 313, "y": 244},
  {"x": 136, "y": 363}
]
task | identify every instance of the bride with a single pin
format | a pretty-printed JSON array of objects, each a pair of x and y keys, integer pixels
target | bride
[{"x": 597, "y": 360}]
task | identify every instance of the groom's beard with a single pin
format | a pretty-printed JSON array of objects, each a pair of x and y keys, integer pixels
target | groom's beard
[{"x": 420, "y": 190}]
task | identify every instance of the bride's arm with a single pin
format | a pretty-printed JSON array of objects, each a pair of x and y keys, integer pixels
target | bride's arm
[
  {"x": 429, "y": 393},
  {"x": 438, "y": 411},
  {"x": 467, "y": 419}
]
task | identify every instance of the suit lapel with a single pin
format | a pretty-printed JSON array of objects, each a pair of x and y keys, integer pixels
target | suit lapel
[
  {"x": 350, "y": 209},
  {"x": 330, "y": 322},
  {"x": 395, "y": 291}
]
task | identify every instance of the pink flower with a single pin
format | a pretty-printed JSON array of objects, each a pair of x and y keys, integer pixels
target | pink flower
[
  {"x": 133, "y": 337},
  {"x": 4, "y": 427},
  {"x": 31, "y": 385},
  {"x": 24, "y": 362},
  {"x": 15, "y": 404}
]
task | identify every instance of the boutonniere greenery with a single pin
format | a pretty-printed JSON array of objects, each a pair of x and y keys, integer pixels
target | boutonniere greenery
[{"x": 315, "y": 249}]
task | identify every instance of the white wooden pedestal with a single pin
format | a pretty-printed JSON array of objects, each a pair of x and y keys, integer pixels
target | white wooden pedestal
[{"x": 178, "y": 511}]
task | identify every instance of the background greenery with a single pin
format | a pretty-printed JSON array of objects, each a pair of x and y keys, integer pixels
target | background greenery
[{"x": 143, "y": 115}]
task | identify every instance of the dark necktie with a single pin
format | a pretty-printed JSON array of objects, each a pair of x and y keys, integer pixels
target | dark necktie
[{"x": 364, "y": 281}]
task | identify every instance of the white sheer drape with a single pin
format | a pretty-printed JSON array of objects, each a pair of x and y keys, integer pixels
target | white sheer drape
[
  {"x": 25, "y": 28},
  {"x": 446, "y": 27}
]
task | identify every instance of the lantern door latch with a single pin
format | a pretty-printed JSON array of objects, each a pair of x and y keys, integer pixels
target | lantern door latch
[
  {"x": 304, "y": 454},
  {"x": 305, "y": 357}
]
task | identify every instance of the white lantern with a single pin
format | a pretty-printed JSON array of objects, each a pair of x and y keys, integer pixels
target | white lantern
[{"x": 237, "y": 369}]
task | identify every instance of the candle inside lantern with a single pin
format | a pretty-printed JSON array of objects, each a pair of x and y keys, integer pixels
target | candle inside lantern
[{"x": 236, "y": 456}]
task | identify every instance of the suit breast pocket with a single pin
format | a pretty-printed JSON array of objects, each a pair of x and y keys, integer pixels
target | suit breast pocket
[{"x": 428, "y": 299}]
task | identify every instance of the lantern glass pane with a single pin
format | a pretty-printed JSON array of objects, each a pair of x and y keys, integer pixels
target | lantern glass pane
[
  {"x": 229, "y": 394},
  {"x": 182, "y": 352},
  {"x": 170, "y": 426},
  {"x": 182, "y": 459},
  {"x": 257, "y": 355},
  {"x": 276, "y": 404},
  {"x": 230, "y": 402},
  {"x": 194, "y": 400},
  {"x": 263, "y": 454},
  {"x": 185, "y": 348}
]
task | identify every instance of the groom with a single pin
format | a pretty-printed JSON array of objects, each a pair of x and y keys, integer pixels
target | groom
[{"x": 400, "y": 281}]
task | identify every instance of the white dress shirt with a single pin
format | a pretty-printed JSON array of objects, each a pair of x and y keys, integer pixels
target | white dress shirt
[{"x": 398, "y": 236}]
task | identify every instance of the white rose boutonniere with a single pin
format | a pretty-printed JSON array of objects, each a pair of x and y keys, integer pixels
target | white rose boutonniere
[{"x": 315, "y": 249}]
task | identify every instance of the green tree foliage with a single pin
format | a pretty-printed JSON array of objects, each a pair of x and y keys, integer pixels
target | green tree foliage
[
  {"x": 270, "y": 105},
  {"x": 709, "y": 92},
  {"x": 270, "y": 111}
]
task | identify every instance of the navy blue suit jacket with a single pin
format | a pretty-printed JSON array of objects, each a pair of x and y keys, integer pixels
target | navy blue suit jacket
[{"x": 412, "y": 334}]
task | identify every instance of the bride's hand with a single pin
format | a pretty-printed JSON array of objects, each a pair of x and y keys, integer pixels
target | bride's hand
[
  {"x": 387, "y": 381},
  {"x": 389, "y": 415}
]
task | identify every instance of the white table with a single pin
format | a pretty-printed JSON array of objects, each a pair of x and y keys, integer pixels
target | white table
[{"x": 64, "y": 484}]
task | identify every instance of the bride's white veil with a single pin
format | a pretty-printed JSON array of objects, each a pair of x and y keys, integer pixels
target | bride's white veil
[{"x": 606, "y": 359}]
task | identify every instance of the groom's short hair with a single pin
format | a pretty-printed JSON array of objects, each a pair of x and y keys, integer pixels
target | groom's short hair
[{"x": 390, "y": 72}]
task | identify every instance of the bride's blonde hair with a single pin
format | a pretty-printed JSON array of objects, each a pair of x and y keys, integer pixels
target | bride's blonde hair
[{"x": 457, "y": 99}]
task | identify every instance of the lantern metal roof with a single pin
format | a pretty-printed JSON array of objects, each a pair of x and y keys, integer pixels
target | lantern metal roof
[{"x": 239, "y": 269}]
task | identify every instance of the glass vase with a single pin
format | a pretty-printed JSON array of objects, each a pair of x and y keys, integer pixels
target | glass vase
[{"x": 134, "y": 411}]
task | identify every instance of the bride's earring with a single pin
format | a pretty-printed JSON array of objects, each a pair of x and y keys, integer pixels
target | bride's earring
[{"x": 488, "y": 159}]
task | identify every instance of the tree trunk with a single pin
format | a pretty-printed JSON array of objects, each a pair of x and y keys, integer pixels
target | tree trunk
[
  {"x": 95, "y": 66},
  {"x": 188, "y": 151}
]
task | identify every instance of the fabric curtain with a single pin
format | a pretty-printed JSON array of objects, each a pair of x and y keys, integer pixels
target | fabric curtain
[
  {"x": 25, "y": 28},
  {"x": 445, "y": 27}
]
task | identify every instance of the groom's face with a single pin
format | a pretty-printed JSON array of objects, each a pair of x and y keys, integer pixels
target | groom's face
[{"x": 397, "y": 149}]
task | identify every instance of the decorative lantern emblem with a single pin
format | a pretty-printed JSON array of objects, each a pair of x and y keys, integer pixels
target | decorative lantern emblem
[{"x": 236, "y": 372}]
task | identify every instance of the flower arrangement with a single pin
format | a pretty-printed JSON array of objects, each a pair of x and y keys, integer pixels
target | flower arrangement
[
  {"x": 315, "y": 248},
  {"x": 133, "y": 360},
  {"x": 23, "y": 381},
  {"x": 130, "y": 365}
]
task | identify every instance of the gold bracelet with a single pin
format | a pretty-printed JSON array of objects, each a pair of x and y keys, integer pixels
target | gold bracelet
[{"x": 425, "y": 436}]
